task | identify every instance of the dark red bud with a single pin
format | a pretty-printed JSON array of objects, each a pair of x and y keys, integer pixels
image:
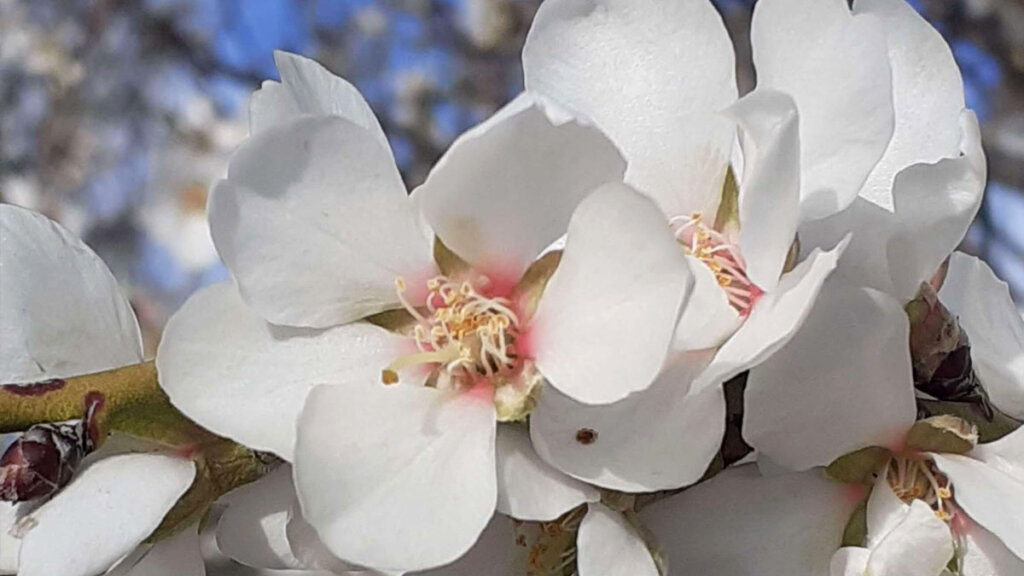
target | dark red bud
[{"x": 42, "y": 461}]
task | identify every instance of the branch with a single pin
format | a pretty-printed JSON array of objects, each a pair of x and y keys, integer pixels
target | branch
[{"x": 60, "y": 399}]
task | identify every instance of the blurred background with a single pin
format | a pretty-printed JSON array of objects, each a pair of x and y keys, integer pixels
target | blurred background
[{"x": 116, "y": 115}]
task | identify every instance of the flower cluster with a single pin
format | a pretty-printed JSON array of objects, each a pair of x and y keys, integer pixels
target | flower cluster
[{"x": 632, "y": 324}]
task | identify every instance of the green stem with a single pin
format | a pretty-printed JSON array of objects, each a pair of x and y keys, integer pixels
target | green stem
[
  {"x": 22, "y": 406},
  {"x": 129, "y": 401}
]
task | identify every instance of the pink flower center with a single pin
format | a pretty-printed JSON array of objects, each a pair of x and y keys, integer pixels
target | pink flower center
[
  {"x": 461, "y": 332},
  {"x": 722, "y": 257}
]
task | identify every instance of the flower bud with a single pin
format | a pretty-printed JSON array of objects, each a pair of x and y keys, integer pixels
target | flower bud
[
  {"x": 42, "y": 461},
  {"x": 941, "y": 353}
]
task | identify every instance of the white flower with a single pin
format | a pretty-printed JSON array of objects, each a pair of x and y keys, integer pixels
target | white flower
[
  {"x": 316, "y": 227},
  {"x": 743, "y": 523},
  {"x": 678, "y": 136},
  {"x": 896, "y": 153},
  {"x": 63, "y": 315},
  {"x": 902, "y": 539},
  {"x": 845, "y": 380},
  {"x": 924, "y": 508}
]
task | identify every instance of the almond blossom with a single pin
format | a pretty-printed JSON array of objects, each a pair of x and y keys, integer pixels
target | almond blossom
[
  {"x": 751, "y": 294},
  {"x": 853, "y": 387},
  {"x": 382, "y": 373},
  {"x": 923, "y": 513},
  {"x": 926, "y": 512}
]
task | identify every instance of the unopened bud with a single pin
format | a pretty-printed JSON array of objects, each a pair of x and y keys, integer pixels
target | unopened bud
[
  {"x": 941, "y": 353},
  {"x": 42, "y": 461}
]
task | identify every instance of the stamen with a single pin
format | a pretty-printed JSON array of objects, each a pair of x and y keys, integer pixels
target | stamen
[
  {"x": 721, "y": 257},
  {"x": 913, "y": 478},
  {"x": 464, "y": 333}
]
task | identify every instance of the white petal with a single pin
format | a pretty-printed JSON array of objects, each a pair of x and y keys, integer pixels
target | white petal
[
  {"x": 506, "y": 189},
  {"x": 769, "y": 200},
  {"x": 252, "y": 529},
  {"x": 608, "y": 314},
  {"x": 312, "y": 554},
  {"x": 271, "y": 105},
  {"x": 61, "y": 309},
  {"x": 869, "y": 227},
  {"x": 774, "y": 319},
  {"x": 842, "y": 382},
  {"x": 920, "y": 545},
  {"x": 636, "y": 446},
  {"x": 308, "y": 88},
  {"x": 397, "y": 477},
  {"x": 609, "y": 546},
  {"x": 1005, "y": 454},
  {"x": 849, "y": 561},
  {"x": 885, "y": 511},
  {"x": 238, "y": 376},
  {"x": 494, "y": 554},
  {"x": 178, "y": 555},
  {"x": 530, "y": 489},
  {"x": 742, "y": 524},
  {"x": 314, "y": 223},
  {"x": 9, "y": 545},
  {"x": 989, "y": 496},
  {"x": 986, "y": 312},
  {"x": 835, "y": 65},
  {"x": 708, "y": 319},
  {"x": 103, "y": 514},
  {"x": 928, "y": 95},
  {"x": 653, "y": 76},
  {"x": 987, "y": 556},
  {"x": 935, "y": 204}
]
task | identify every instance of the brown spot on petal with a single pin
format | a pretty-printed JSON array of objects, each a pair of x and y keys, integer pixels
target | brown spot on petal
[{"x": 586, "y": 436}]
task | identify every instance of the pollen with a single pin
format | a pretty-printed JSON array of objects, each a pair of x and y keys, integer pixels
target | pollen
[
  {"x": 461, "y": 332},
  {"x": 722, "y": 257}
]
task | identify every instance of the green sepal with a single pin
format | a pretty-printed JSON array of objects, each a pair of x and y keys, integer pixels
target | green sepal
[
  {"x": 856, "y": 531},
  {"x": 945, "y": 434},
  {"x": 990, "y": 427},
  {"x": 859, "y": 467},
  {"x": 727, "y": 219}
]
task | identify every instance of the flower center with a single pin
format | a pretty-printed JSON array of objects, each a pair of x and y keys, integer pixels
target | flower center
[
  {"x": 721, "y": 256},
  {"x": 915, "y": 478},
  {"x": 464, "y": 333}
]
